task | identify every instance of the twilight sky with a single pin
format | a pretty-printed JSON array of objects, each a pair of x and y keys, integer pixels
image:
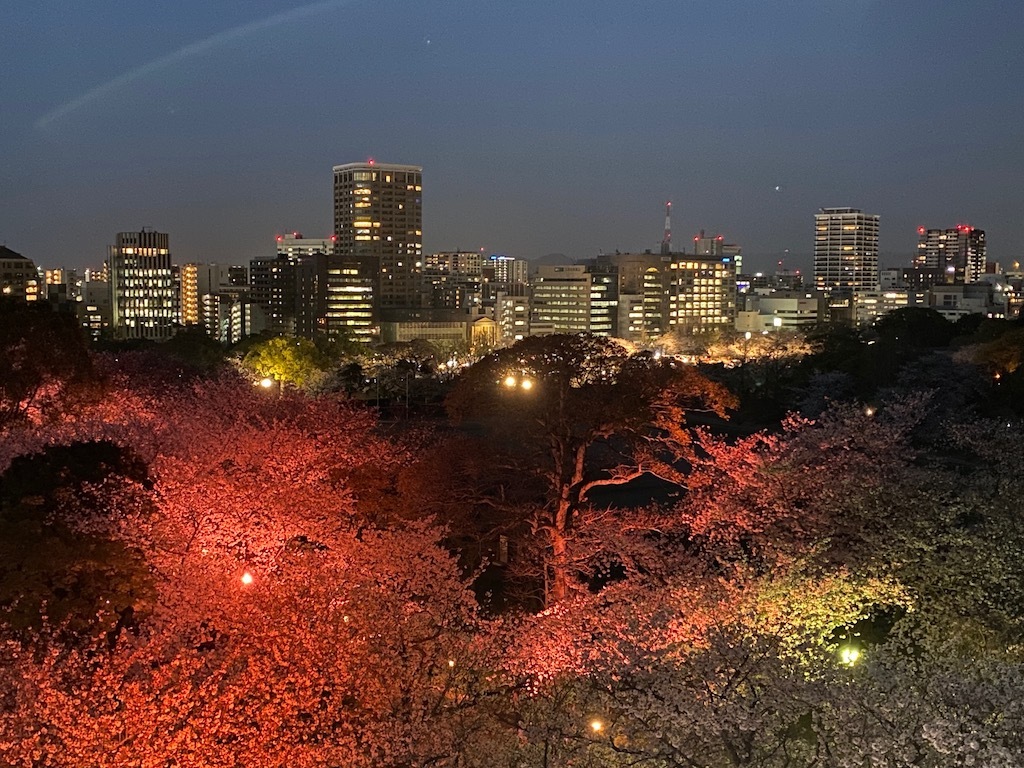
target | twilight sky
[{"x": 542, "y": 125}]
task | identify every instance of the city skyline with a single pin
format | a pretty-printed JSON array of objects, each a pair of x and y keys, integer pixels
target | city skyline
[{"x": 543, "y": 131}]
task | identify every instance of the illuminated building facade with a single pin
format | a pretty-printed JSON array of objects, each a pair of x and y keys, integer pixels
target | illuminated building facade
[
  {"x": 506, "y": 271},
  {"x": 960, "y": 253},
  {"x": 604, "y": 299},
  {"x": 19, "y": 278},
  {"x": 781, "y": 310},
  {"x": 378, "y": 226},
  {"x": 93, "y": 309},
  {"x": 453, "y": 282},
  {"x": 640, "y": 293},
  {"x": 512, "y": 314},
  {"x": 701, "y": 293},
  {"x": 560, "y": 300},
  {"x": 191, "y": 310},
  {"x": 143, "y": 295},
  {"x": 845, "y": 250},
  {"x": 205, "y": 288},
  {"x": 291, "y": 292}
]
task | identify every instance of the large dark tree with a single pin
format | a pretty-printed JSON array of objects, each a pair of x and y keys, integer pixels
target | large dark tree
[
  {"x": 44, "y": 362},
  {"x": 55, "y": 570},
  {"x": 579, "y": 412}
]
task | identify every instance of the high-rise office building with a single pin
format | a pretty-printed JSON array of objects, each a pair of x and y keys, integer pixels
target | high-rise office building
[
  {"x": 959, "y": 253},
  {"x": 453, "y": 282},
  {"x": 640, "y": 293},
  {"x": 143, "y": 295},
  {"x": 701, "y": 293},
  {"x": 201, "y": 283},
  {"x": 506, "y": 270},
  {"x": 560, "y": 300},
  {"x": 378, "y": 226},
  {"x": 291, "y": 287},
  {"x": 845, "y": 250}
]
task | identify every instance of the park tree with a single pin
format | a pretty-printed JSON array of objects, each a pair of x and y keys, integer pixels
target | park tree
[
  {"x": 295, "y": 362},
  {"x": 45, "y": 368},
  {"x": 580, "y": 413},
  {"x": 284, "y": 627},
  {"x": 53, "y": 571},
  {"x": 914, "y": 328},
  {"x": 195, "y": 349}
]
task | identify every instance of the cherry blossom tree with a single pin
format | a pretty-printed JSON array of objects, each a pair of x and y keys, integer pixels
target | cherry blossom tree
[
  {"x": 45, "y": 368},
  {"x": 284, "y": 629}
]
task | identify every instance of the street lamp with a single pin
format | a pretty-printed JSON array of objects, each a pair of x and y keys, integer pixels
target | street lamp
[
  {"x": 849, "y": 655},
  {"x": 511, "y": 382},
  {"x": 247, "y": 578},
  {"x": 596, "y": 725},
  {"x": 266, "y": 382}
]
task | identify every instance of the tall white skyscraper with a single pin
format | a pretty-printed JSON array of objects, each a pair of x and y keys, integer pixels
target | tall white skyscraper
[{"x": 845, "y": 250}]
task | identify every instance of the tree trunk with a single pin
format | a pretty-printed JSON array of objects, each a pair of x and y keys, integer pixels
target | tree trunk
[{"x": 559, "y": 555}]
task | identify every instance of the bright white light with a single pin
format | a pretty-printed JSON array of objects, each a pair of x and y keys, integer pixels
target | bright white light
[
  {"x": 849, "y": 655},
  {"x": 596, "y": 726},
  {"x": 267, "y": 383},
  {"x": 247, "y": 578},
  {"x": 510, "y": 381},
  {"x": 527, "y": 384}
]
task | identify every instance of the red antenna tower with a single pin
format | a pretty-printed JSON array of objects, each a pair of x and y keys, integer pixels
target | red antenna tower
[{"x": 666, "y": 241}]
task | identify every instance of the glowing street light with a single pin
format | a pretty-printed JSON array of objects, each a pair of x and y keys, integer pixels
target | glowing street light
[
  {"x": 849, "y": 655},
  {"x": 267, "y": 382},
  {"x": 247, "y": 578},
  {"x": 511, "y": 382},
  {"x": 596, "y": 725}
]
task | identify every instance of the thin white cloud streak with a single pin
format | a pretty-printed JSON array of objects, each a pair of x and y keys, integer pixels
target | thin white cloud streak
[{"x": 193, "y": 49}]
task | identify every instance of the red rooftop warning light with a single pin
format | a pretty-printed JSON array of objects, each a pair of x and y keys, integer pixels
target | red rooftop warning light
[{"x": 920, "y": 230}]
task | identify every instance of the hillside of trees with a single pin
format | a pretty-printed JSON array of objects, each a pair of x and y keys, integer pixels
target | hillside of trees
[{"x": 567, "y": 552}]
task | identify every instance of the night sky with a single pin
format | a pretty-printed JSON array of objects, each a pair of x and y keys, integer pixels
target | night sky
[{"x": 542, "y": 125}]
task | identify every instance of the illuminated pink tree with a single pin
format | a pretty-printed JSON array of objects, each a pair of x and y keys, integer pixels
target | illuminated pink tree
[{"x": 285, "y": 629}]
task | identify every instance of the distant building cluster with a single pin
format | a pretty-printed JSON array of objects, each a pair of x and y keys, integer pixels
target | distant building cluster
[{"x": 371, "y": 281}]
